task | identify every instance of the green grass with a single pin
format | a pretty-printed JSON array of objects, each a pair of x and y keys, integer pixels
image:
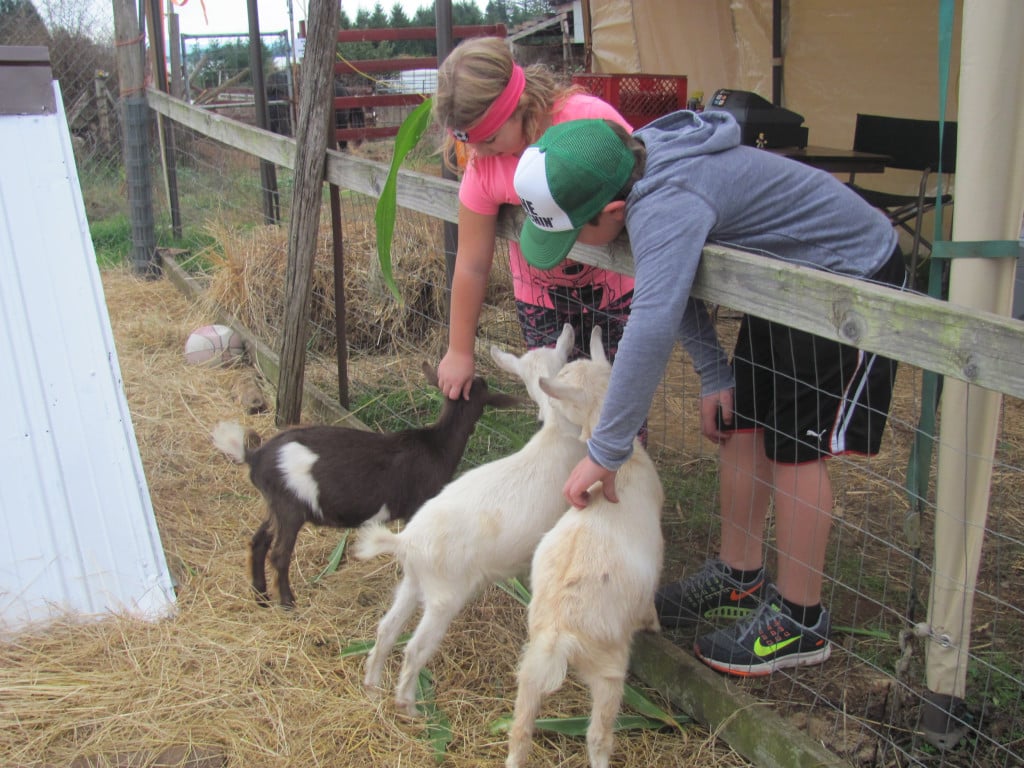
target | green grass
[
  {"x": 112, "y": 240},
  {"x": 692, "y": 490},
  {"x": 498, "y": 433}
]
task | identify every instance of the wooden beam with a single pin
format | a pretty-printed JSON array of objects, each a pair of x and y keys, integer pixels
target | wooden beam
[
  {"x": 315, "y": 112},
  {"x": 979, "y": 347}
]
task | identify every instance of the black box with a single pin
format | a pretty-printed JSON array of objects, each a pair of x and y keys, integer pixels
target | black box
[{"x": 762, "y": 124}]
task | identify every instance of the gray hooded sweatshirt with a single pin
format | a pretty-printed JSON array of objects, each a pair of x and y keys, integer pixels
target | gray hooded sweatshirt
[{"x": 701, "y": 186}]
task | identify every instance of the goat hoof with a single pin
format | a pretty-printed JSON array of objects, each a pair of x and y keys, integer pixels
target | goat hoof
[{"x": 408, "y": 709}]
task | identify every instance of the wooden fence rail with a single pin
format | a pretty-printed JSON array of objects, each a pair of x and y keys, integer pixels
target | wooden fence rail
[{"x": 967, "y": 344}]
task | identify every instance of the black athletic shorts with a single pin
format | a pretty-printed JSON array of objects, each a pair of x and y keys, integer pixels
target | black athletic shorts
[{"x": 812, "y": 397}]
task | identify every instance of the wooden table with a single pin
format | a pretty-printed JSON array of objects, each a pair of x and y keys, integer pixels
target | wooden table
[{"x": 835, "y": 160}]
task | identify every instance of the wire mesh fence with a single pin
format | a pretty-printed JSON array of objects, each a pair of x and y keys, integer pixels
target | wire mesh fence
[{"x": 79, "y": 37}]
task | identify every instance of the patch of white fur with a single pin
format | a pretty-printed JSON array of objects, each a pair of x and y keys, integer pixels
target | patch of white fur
[
  {"x": 382, "y": 516},
  {"x": 296, "y": 464}
]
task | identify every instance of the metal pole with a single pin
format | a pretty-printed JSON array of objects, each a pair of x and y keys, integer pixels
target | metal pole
[
  {"x": 130, "y": 67},
  {"x": 268, "y": 173},
  {"x": 445, "y": 43}
]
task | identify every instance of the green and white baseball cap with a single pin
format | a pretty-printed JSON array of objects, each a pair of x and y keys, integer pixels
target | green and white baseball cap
[{"x": 565, "y": 180}]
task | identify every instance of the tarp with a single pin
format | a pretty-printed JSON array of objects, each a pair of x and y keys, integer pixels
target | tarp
[{"x": 839, "y": 57}]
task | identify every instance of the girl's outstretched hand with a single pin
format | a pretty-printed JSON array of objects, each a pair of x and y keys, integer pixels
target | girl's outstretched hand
[
  {"x": 455, "y": 375},
  {"x": 582, "y": 478}
]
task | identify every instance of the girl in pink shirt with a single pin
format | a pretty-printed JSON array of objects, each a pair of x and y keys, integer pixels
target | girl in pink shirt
[{"x": 498, "y": 108}]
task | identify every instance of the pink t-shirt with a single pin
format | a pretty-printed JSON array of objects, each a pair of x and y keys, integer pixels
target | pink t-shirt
[{"x": 487, "y": 184}]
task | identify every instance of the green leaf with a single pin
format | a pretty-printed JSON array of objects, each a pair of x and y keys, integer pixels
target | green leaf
[
  {"x": 409, "y": 134},
  {"x": 515, "y": 588},
  {"x": 635, "y": 700},
  {"x": 577, "y": 726},
  {"x": 880, "y": 634},
  {"x": 335, "y": 559},
  {"x": 439, "y": 727},
  {"x": 362, "y": 647}
]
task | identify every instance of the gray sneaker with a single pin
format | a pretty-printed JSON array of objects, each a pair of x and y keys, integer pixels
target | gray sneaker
[
  {"x": 711, "y": 593},
  {"x": 767, "y": 640}
]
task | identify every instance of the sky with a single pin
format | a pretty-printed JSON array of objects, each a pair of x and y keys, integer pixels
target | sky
[{"x": 227, "y": 16}]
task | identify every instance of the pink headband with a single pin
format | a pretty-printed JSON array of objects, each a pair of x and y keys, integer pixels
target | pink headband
[{"x": 498, "y": 113}]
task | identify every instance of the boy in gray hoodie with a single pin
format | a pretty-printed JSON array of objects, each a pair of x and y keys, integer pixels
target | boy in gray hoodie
[{"x": 787, "y": 401}]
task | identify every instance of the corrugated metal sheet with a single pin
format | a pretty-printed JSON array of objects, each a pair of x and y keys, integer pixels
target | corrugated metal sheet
[{"x": 77, "y": 530}]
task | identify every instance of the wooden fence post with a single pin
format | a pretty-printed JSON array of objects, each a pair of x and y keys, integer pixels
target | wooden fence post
[
  {"x": 130, "y": 68},
  {"x": 310, "y": 156}
]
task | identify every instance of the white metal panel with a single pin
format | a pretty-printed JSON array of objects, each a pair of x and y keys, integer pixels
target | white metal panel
[{"x": 78, "y": 530}]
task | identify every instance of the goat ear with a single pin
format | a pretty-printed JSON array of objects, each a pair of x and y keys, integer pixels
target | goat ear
[
  {"x": 565, "y": 341},
  {"x": 431, "y": 373},
  {"x": 505, "y": 360},
  {"x": 596, "y": 348},
  {"x": 501, "y": 400},
  {"x": 559, "y": 391}
]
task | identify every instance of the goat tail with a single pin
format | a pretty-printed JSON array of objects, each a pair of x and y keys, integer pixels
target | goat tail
[
  {"x": 545, "y": 662},
  {"x": 235, "y": 441},
  {"x": 229, "y": 437},
  {"x": 375, "y": 539}
]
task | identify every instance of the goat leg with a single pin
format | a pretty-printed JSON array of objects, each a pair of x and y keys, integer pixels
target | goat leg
[
  {"x": 281, "y": 558},
  {"x": 606, "y": 693},
  {"x": 422, "y": 646},
  {"x": 261, "y": 541},
  {"x": 388, "y": 630},
  {"x": 528, "y": 702}
]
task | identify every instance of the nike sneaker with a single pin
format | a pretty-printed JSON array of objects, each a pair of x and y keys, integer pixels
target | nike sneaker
[
  {"x": 767, "y": 640},
  {"x": 711, "y": 594}
]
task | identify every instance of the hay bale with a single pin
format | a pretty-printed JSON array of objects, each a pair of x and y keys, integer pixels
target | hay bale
[{"x": 248, "y": 272}]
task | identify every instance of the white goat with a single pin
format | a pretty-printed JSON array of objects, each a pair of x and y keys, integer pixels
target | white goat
[
  {"x": 593, "y": 578},
  {"x": 481, "y": 528}
]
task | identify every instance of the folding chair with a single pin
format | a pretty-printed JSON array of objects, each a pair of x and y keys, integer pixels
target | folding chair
[{"x": 911, "y": 145}]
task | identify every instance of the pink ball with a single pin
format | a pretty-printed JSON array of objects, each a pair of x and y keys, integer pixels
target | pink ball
[{"x": 213, "y": 345}]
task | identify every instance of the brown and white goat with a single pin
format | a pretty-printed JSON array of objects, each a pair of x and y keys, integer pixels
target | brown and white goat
[
  {"x": 342, "y": 477},
  {"x": 593, "y": 579}
]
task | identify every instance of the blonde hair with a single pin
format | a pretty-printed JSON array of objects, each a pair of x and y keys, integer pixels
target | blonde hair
[{"x": 474, "y": 75}]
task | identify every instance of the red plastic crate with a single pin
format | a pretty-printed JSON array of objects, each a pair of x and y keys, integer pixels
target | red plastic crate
[{"x": 639, "y": 98}]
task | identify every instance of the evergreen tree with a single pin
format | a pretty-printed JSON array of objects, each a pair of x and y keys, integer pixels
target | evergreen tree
[
  {"x": 496, "y": 12},
  {"x": 398, "y": 17},
  {"x": 399, "y": 20},
  {"x": 378, "y": 19},
  {"x": 466, "y": 13},
  {"x": 424, "y": 17}
]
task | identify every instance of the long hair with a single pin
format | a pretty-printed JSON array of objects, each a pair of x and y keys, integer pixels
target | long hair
[{"x": 474, "y": 75}]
